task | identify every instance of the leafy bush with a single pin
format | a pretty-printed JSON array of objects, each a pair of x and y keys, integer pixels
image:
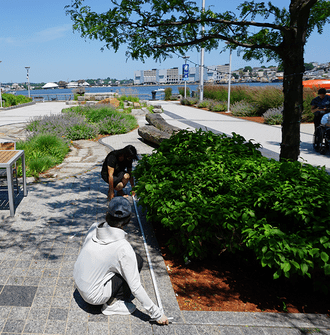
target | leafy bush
[
  {"x": 217, "y": 193},
  {"x": 13, "y": 100},
  {"x": 168, "y": 93},
  {"x": 205, "y": 104},
  {"x": 243, "y": 108},
  {"x": 219, "y": 107},
  {"x": 189, "y": 101},
  {"x": 274, "y": 116},
  {"x": 42, "y": 152},
  {"x": 181, "y": 91}
]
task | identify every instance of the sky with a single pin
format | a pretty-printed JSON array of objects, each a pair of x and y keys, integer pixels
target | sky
[{"x": 39, "y": 34}]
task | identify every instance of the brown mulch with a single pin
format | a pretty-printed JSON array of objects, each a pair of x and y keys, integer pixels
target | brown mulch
[{"x": 237, "y": 282}]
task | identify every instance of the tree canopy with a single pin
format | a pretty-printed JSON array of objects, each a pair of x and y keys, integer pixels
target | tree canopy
[{"x": 158, "y": 28}]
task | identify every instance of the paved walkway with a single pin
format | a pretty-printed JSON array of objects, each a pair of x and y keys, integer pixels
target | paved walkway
[{"x": 39, "y": 246}]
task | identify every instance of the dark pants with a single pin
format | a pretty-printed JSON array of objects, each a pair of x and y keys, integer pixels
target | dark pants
[
  {"x": 120, "y": 289},
  {"x": 116, "y": 179},
  {"x": 317, "y": 118}
]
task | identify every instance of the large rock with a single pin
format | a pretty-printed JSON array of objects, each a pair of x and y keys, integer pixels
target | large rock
[
  {"x": 158, "y": 121},
  {"x": 157, "y": 130},
  {"x": 152, "y": 134}
]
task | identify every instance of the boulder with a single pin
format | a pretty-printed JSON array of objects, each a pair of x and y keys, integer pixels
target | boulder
[
  {"x": 152, "y": 134},
  {"x": 157, "y": 121}
]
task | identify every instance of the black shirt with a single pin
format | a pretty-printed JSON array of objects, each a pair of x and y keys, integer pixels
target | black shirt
[{"x": 113, "y": 161}]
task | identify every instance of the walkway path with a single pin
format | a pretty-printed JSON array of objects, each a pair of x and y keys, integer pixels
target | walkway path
[{"x": 39, "y": 246}]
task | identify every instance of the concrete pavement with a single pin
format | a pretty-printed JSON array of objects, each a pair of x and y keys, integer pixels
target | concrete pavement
[{"x": 39, "y": 246}]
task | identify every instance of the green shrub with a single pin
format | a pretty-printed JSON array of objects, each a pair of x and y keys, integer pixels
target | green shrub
[
  {"x": 181, "y": 91},
  {"x": 168, "y": 93},
  {"x": 263, "y": 98},
  {"x": 13, "y": 100},
  {"x": 274, "y": 116},
  {"x": 189, "y": 101},
  {"x": 219, "y": 107},
  {"x": 217, "y": 193},
  {"x": 81, "y": 132},
  {"x": 205, "y": 104},
  {"x": 243, "y": 108},
  {"x": 117, "y": 124},
  {"x": 42, "y": 152}
]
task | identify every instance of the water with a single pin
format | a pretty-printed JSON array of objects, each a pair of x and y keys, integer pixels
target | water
[{"x": 143, "y": 92}]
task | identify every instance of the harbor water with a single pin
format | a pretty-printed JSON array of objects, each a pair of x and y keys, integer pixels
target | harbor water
[{"x": 143, "y": 92}]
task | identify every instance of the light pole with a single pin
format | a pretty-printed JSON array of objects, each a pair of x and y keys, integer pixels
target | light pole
[
  {"x": 185, "y": 81},
  {"x": 27, "y": 77},
  {"x": 201, "y": 79},
  {"x": 0, "y": 92},
  {"x": 229, "y": 80}
]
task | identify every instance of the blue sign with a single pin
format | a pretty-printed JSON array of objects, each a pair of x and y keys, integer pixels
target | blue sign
[{"x": 185, "y": 71}]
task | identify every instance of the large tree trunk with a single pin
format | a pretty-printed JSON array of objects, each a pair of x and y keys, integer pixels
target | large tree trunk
[{"x": 292, "y": 54}]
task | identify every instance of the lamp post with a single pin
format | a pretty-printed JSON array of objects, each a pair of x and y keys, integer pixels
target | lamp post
[
  {"x": 229, "y": 80},
  {"x": 27, "y": 77},
  {"x": 185, "y": 81},
  {"x": 201, "y": 79},
  {"x": 0, "y": 92}
]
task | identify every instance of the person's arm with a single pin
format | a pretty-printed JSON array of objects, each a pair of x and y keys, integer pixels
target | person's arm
[
  {"x": 131, "y": 275},
  {"x": 111, "y": 192},
  {"x": 131, "y": 179}
]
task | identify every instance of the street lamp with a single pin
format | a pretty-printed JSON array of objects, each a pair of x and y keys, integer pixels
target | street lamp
[
  {"x": 201, "y": 79},
  {"x": 229, "y": 80},
  {"x": 27, "y": 77},
  {"x": 185, "y": 81},
  {"x": 0, "y": 92}
]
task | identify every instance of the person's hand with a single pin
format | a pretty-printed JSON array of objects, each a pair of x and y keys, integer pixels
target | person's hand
[
  {"x": 133, "y": 193},
  {"x": 163, "y": 320}
]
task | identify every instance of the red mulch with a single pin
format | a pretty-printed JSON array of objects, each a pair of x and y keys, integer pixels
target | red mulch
[{"x": 234, "y": 282}]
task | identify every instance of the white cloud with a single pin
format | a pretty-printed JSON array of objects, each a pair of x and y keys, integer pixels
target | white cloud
[
  {"x": 51, "y": 34},
  {"x": 46, "y": 35}
]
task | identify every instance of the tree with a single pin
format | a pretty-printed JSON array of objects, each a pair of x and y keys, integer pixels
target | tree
[
  {"x": 157, "y": 28},
  {"x": 248, "y": 69}
]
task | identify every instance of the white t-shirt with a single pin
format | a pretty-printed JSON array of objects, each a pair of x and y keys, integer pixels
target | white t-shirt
[{"x": 104, "y": 253}]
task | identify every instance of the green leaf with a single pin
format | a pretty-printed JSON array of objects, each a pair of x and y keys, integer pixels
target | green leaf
[
  {"x": 327, "y": 270},
  {"x": 304, "y": 268},
  {"x": 286, "y": 267},
  {"x": 324, "y": 257}
]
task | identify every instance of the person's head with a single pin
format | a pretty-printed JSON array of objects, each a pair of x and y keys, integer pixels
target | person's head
[
  {"x": 119, "y": 212},
  {"x": 130, "y": 152},
  {"x": 322, "y": 92}
]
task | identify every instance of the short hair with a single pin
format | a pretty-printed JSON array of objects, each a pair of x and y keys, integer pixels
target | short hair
[{"x": 322, "y": 91}]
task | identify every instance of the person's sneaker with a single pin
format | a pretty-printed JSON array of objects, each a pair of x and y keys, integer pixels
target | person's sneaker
[{"x": 120, "y": 307}]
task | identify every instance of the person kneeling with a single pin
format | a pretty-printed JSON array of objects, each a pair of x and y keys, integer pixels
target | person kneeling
[{"x": 107, "y": 268}]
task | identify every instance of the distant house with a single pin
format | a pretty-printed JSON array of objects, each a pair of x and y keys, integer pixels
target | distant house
[{"x": 72, "y": 84}]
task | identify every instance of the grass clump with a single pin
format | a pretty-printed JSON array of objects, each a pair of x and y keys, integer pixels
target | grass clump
[
  {"x": 243, "y": 108},
  {"x": 42, "y": 152},
  {"x": 274, "y": 116}
]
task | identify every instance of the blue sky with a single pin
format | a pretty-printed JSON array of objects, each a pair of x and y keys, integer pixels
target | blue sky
[{"x": 38, "y": 34}]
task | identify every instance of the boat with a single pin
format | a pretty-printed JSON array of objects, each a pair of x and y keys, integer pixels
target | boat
[{"x": 318, "y": 83}]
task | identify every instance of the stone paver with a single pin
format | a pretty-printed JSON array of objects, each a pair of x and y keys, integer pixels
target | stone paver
[{"x": 39, "y": 245}]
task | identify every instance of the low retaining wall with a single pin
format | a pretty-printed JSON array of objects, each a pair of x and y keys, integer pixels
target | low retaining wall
[{"x": 18, "y": 106}]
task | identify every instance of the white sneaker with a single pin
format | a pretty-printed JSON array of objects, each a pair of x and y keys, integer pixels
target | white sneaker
[{"x": 120, "y": 307}]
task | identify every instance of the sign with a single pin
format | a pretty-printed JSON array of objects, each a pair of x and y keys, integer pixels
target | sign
[{"x": 185, "y": 71}]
